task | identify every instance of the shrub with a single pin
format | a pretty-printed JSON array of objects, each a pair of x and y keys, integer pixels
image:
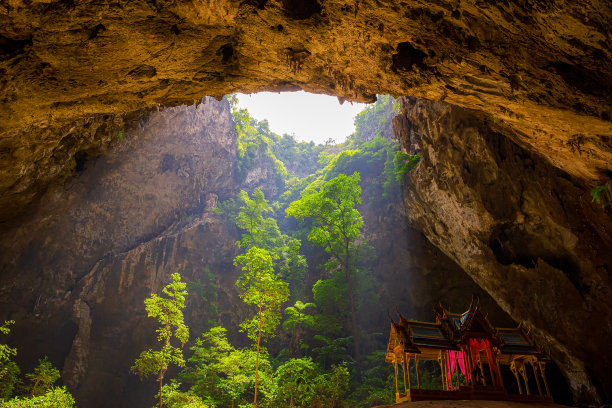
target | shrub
[{"x": 57, "y": 397}]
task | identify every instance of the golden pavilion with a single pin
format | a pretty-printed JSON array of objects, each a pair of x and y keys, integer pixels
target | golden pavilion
[{"x": 471, "y": 354}]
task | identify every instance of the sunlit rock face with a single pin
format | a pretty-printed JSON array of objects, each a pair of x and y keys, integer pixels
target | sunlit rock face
[
  {"x": 525, "y": 231},
  {"x": 542, "y": 68}
]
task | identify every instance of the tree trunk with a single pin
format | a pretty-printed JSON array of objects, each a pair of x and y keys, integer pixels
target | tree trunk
[
  {"x": 161, "y": 371},
  {"x": 161, "y": 379},
  {"x": 349, "y": 281},
  {"x": 257, "y": 360}
]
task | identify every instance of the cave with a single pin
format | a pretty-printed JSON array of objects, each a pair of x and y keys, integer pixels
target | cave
[{"x": 507, "y": 104}]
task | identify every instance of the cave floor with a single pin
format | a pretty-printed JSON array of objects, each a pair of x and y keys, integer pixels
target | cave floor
[{"x": 469, "y": 404}]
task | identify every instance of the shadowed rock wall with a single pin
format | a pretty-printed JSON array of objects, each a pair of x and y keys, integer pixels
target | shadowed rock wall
[
  {"x": 525, "y": 231},
  {"x": 75, "y": 273}
]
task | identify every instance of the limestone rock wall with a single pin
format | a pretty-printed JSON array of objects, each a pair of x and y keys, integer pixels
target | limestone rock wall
[
  {"x": 525, "y": 231},
  {"x": 74, "y": 273}
]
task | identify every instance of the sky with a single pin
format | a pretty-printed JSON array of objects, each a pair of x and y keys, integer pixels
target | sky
[{"x": 311, "y": 117}]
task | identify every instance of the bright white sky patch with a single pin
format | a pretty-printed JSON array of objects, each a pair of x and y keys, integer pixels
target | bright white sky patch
[{"x": 311, "y": 117}]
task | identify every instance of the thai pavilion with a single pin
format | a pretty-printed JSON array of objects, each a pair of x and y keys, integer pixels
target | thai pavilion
[{"x": 471, "y": 354}]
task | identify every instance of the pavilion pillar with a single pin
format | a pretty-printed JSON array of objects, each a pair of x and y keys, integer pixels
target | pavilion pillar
[
  {"x": 493, "y": 382},
  {"x": 397, "y": 394},
  {"x": 535, "y": 374},
  {"x": 408, "y": 369},
  {"x": 499, "y": 377},
  {"x": 468, "y": 364},
  {"x": 469, "y": 359},
  {"x": 416, "y": 362},
  {"x": 523, "y": 373},
  {"x": 516, "y": 375},
  {"x": 404, "y": 368},
  {"x": 481, "y": 369},
  {"x": 441, "y": 362},
  {"x": 543, "y": 372}
]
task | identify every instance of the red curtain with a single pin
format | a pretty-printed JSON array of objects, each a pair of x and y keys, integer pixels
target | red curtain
[
  {"x": 476, "y": 346},
  {"x": 454, "y": 359}
]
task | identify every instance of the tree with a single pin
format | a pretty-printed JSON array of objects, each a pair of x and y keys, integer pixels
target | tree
[
  {"x": 263, "y": 289},
  {"x": 336, "y": 226},
  {"x": 169, "y": 313},
  {"x": 333, "y": 350},
  {"x": 331, "y": 388},
  {"x": 292, "y": 266},
  {"x": 221, "y": 374},
  {"x": 43, "y": 377},
  {"x": 297, "y": 319},
  {"x": 295, "y": 383},
  {"x": 263, "y": 232}
]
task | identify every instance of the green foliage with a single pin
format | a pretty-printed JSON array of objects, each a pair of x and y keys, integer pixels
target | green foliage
[
  {"x": 228, "y": 208},
  {"x": 335, "y": 221},
  {"x": 375, "y": 119},
  {"x": 175, "y": 398},
  {"x": 57, "y": 397},
  {"x": 299, "y": 383},
  {"x": 330, "y": 296},
  {"x": 300, "y": 158},
  {"x": 374, "y": 160},
  {"x": 292, "y": 267},
  {"x": 233, "y": 100},
  {"x": 6, "y": 352},
  {"x": 429, "y": 374},
  {"x": 260, "y": 231},
  {"x": 43, "y": 377},
  {"x": 331, "y": 351},
  {"x": 254, "y": 143},
  {"x": 262, "y": 288},
  {"x": 298, "y": 320},
  {"x": 295, "y": 383},
  {"x": 9, "y": 379},
  {"x": 9, "y": 371},
  {"x": 317, "y": 192},
  {"x": 220, "y": 375},
  {"x": 331, "y": 389},
  {"x": 378, "y": 382},
  {"x": 223, "y": 375},
  {"x": 168, "y": 311},
  {"x": 207, "y": 290},
  {"x": 336, "y": 225},
  {"x": 602, "y": 195},
  {"x": 264, "y": 233},
  {"x": 404, "y": 163}
]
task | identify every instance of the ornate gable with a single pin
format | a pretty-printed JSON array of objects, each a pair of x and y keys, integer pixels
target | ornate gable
[{"x": 476, "y": 325}]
